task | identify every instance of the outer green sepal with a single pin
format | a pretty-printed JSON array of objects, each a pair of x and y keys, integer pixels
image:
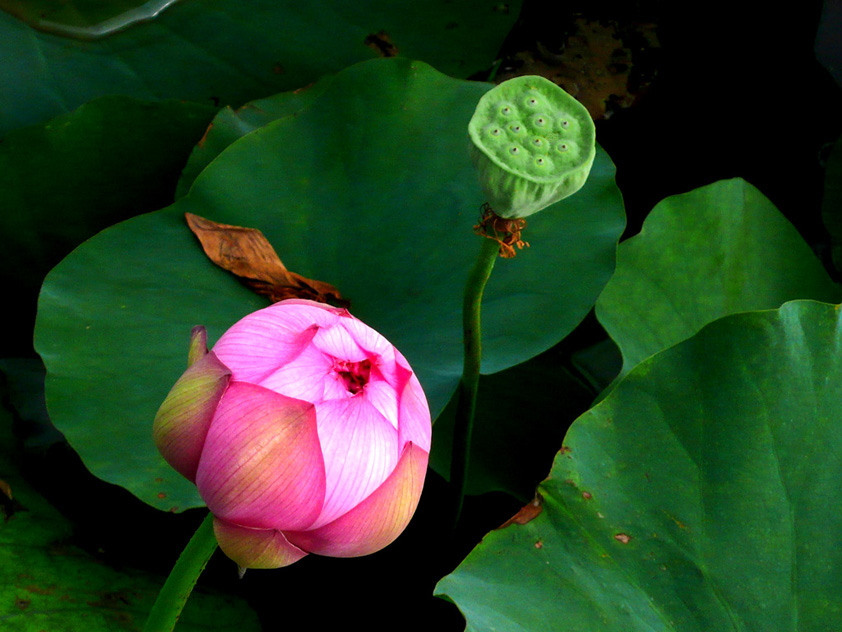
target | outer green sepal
[
  {"x": 182, "y": 422},
  {"x": 532, "y": 143}
]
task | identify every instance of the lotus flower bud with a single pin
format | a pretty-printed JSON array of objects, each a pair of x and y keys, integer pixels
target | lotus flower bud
[
  {"x": 304, "y": 430},
  {"x": 532, "y": 143}
]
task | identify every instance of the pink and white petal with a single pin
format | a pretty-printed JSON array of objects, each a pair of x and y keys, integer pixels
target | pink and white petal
[
  {"x": 302, "y": 313},
  {"x": 336, "y": 342},
  {"x": 262, "y": 464},
  {"x": 360, "y": 450},
  {"x": 367, "y": 338},
  {"x": 255, "y": 548},
  {"x": 335, "y": 386},
  {"x": 336, "y": 311},
  {"x": 386, "y": 369},
  {"x": 415, "y": 423},
  {"x": 383, "y": 397},
  {"x": 182, "y": 422},
  {"x": 377, "y": 520},
  {"x": 302, "y": 378},
  {"x": 258, "y": 344}
]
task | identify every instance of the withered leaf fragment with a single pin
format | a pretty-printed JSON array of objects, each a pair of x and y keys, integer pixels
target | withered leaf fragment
[{"x": 247, "y": 254}]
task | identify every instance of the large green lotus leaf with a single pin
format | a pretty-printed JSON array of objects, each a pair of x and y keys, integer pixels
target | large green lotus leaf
[
  {"x": 717, "y": 250},
  {"x": 701, "y": 495},
  {"x": 63, "y": 181},
  {"x": 370, "y": 188},
  {"x": 227, "y": 51},
  {"x": 230, "y": 125},
  {"x": 48, "y": 583}
]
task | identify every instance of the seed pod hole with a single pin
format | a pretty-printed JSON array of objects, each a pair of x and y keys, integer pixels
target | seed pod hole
[
  {"x": 541, "y": 120},
  {"x": 506, "y": 110},
  {"x": 565, "y": 124},
  {"x": 540, "y": 162},
  {"x": 495, "y": 131},
  {"x": 563, "y": 147},
  {"x": 537, "y": 142},
  {"x": 516, "y": 128},
  {"x": 514, "y": 151}
]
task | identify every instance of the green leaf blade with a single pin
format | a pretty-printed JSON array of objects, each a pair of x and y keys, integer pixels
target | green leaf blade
[
  {"x": 232, "y": 51},
  {"x": 700, "y": 494},
  {"x": 717, "y": 250}
]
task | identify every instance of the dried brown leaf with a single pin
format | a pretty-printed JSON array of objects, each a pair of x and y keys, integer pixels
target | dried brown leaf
[{"x": 247, "y": 254}]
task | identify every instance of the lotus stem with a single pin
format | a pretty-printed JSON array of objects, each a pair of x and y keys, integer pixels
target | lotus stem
[
  {"x": 472, "y": 341},
  {"x": 183, "y": 577}
]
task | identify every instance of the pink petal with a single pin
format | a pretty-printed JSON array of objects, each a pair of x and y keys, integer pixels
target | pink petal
[
  {"x": 335, "y": 386},
  {"x": 255, "y": 548},
  {"x": 360, "y": 450},
  {"x": 262, "y": 464},
  {"x": 303, "y": 378},
  {"x": 367, "y": 338},
  {"x": 376, "y": 521},
  {"x": 182, "y": 422},
  {"x": 383, "y": 397},
  {"x": 261, "y": 342},
  {"x": 415, "y": 423},
  {"x": 336, "y": 311},
  {"x": 336, "y": 342}
]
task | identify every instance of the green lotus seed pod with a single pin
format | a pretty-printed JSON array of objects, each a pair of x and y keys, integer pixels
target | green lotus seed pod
[{"x": 532, "y": 143}]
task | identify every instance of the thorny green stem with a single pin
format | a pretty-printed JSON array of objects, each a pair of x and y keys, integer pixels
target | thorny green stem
[
  {"x": 471, "y": 337},
  {"x": 182, "y": 579}
]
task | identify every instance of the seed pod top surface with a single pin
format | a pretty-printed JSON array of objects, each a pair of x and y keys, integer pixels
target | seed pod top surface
[{"x": 533, "y": 143}]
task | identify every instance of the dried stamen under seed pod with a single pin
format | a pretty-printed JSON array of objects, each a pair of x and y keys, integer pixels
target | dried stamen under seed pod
[{"x": 505, "y": 232}]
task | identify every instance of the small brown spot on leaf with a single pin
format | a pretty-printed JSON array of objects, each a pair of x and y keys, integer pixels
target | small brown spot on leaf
[
  {"x": 586, "y": 495},
  {"x": 204, "y": 137},
  {"x": 527, "y": 513},
  {"x": 539, "y": 544},
  {"x": 22, "y": 604},
  {"x": 248, "y": 255},
  {"x": 622, "y": 537},
  {"x": 565, "y": 450},
  {"x": 381, "y": 43},
  {"x": 38, "y": 590},
  {"x": 278, "y": 69},
  {"x": 161, "y": 495}
]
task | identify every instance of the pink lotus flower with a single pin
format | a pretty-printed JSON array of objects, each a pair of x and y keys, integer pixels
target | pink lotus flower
[{"x": 304, "y": 430}]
